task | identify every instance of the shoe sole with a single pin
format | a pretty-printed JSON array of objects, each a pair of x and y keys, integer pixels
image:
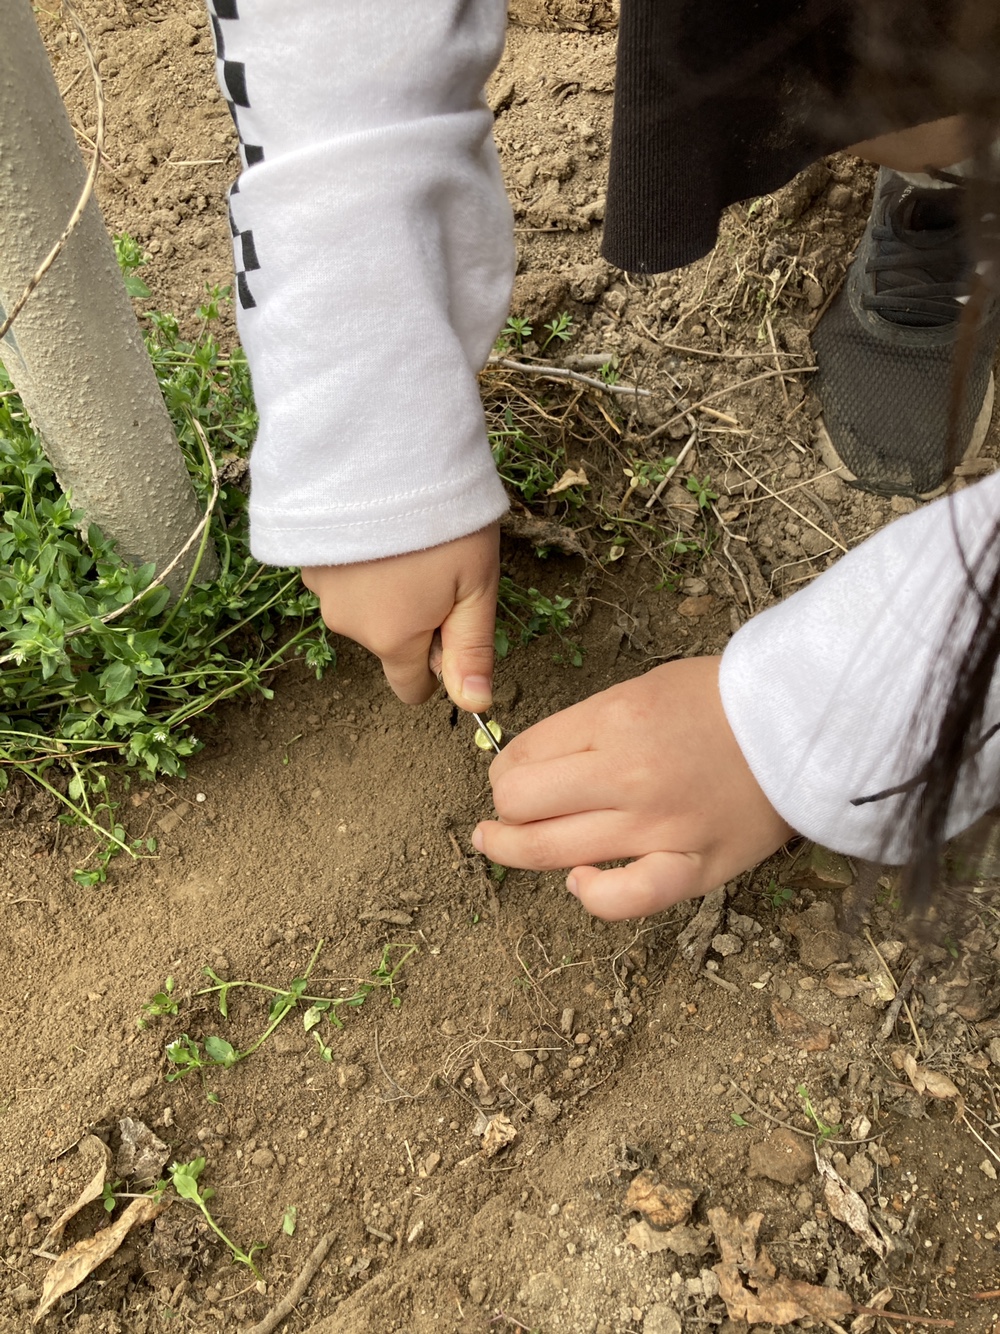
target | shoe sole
[{"x": 835, "y": 463}]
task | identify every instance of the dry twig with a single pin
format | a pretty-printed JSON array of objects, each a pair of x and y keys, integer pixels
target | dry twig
[
  {"x": 297, "y": 1291},
  {"x": 564, "y": 373}
]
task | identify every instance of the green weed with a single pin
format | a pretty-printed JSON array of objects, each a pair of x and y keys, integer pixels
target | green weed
[
  {"x": 702, "y": 492},
  {"x": 189, "y": 1056},
  {"x": 95, "y": 667},
  {"x": 533, "y": 614},
  {"x": 184, "y": 1179},
  {"x": 559, "y": 330},
  {"x": 823, "y": 1131},
  {"x": 778, "y": 896}
]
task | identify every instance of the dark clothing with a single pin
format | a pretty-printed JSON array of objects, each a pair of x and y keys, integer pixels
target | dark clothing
[{"x": 721, "y": 100}]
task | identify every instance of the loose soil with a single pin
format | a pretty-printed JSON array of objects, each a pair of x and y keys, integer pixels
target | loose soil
[{"x": 675, "y": 1046}]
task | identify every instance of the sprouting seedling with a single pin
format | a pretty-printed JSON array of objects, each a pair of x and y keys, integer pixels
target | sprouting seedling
[
  {"x": 489, "y": 734},
  {"x": 163, "y": 1003},
  {"x": 184, "y": 1179},
  {"x": 823, "y": 1131}
]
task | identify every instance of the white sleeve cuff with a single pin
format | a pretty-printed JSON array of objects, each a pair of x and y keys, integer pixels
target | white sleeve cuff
[{"x": 835, "y": 694}]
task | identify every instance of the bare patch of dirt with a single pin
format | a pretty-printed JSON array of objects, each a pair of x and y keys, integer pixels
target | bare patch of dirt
[{"x": 704, "y": 1054}]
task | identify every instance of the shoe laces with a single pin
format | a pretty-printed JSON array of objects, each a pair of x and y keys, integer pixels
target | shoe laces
[{"x": 920, "y": 272}]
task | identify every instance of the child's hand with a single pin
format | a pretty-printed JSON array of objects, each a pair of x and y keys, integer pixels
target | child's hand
[
  {"x": 649, "y": 769},
  {"x": 393, "y": 607}
]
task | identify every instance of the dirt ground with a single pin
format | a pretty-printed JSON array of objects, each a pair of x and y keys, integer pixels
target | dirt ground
[{"x": 475, "y": 1152}]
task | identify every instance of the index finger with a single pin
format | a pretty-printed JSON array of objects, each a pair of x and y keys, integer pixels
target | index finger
[{"x": 564, "y": 733}]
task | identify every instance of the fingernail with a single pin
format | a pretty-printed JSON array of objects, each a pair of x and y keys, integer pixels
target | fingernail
[
  {"x": 477, "y": 839},
  {"x": 572, "y": 886},
  {"x": 478, "y": 690}
]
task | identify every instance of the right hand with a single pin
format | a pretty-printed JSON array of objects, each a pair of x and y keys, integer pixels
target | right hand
[{"x": 393, "y": 607}]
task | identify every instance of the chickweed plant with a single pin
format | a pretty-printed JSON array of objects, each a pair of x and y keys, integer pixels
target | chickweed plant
[
  {"x": 189, "y": 1056},
  {"x": 83, "y": 684}
]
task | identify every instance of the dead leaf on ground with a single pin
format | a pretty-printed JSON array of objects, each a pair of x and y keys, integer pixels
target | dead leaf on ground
[
  {"x": 142, "y": 1155},
  {"x": 848, "y": 1207},
  {"x": 800, "y": 1032},
  {"x": 777, "y": 1300},
  {"x": 679, "y": 1240},
  {"x": 571, "y": 477},
  {"x": 864, "y": 1324},
  {"x": 661, "y": 1206},
  {"x": 89, "y": 1147},
  {"x": 69, "y": 1271},
  {"x": 931, "y": 1082},
  {"x": 845, "y": 987},
  {"x": 498, "y": 1134}
]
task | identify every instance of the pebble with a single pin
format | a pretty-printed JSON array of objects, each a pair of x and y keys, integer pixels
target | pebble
[
  {"x": 449, "y": 1028},
  {"x": 808, "y": 984},
  {"x": 727, "y": 944},
  {"x": 662, "y": 1318},
  {"x": 994, "y": 1050},
  {"x": 262, "y": 1158},
  {"x": 566, "y": 1020},
  {"x": 582, "y": 1039},
  {"x": 524, "y": 1060},
  {"x": 477, "y": 1290},
  {"x": 783, "y": 1157},
  {"x": 988, "y": 1170}
]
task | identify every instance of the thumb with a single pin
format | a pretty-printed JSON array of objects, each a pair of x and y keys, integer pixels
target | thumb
[
  {"x": 467, "y": 651},
  {"x": 641, "y": 888}
]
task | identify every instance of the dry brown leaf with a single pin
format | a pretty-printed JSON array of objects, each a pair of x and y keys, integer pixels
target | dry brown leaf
[
  {"x": 571, "y": 477},
  {"x": 69, "y": 1271},
  {"x": 777, "y": 1300},
  {"x": 91, "y": 1147},
  {"x": 498, "y": 1134},
  {"x": 931, "y": 1082},
  {"x": 142, "y": 1156},
  {"x": 864, "y": 1324},
  {"x": 845, "y": 987},
  {"x": 679, "y": 1240},
  {"x": 798, "y": 1031},
  {"x": 661, "y": 1206},
  {"x": 848, "y": 1207}
]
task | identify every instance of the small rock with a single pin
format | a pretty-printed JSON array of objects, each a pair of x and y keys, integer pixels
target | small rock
[
  {"x": 544, "y": 1106},
  {"x": 449, "y": 1028},
  {"x": 804, "y": 1202},
  {"x": 693, "y": 608},
  {"x": 860, "y": 1172},
  {"x": 661, "y": 1318},
  {"x": 263, "y": 1159},
  {"x": 430, "y": 1164},
  {"x": 140, "y": 1087},
  {"x": 727, "y": 944},
  {"x": 523, "y": 1060},
  {"x": 351, "y": 1077},
  {"x": 742, "y": 926},
  {"x": 270, "y": 938},
  {"x": 477, "y": 1290},
  {"x": 582, "y": 1039},
  {"x": 988, "y": 1170},
  {"x": 821, "y": 942},
  {"x": 994, "y": 1050},
  {"x": 783, "y": 1157},
  {"x": 566, "y": 1021}
]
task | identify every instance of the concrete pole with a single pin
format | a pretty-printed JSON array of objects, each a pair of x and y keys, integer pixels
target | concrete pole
[{"x": 75, "y": 353}]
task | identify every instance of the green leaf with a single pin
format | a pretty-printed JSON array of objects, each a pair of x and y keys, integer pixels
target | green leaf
[
  {"x": 117, "y": 681},
  {"x": 221, "y": 1052},
  {"x": 288, "y": 1221}
]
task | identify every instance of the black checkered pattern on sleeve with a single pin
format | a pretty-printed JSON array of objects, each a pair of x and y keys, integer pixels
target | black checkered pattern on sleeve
[{"x": 233, "y": 77}]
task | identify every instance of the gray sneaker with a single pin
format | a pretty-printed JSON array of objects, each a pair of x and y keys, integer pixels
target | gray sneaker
[{"x": 884, "y": 349}]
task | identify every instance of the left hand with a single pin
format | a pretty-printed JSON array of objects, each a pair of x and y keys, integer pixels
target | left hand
[{"x": 649, "y": 769}]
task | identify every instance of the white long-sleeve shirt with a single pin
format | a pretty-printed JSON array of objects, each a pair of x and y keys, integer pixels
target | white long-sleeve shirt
[{"x": 374, "y": 254}]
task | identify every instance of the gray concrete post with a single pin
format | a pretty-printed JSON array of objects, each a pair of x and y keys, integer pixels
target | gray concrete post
[{"x": 75, "y": 353}]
